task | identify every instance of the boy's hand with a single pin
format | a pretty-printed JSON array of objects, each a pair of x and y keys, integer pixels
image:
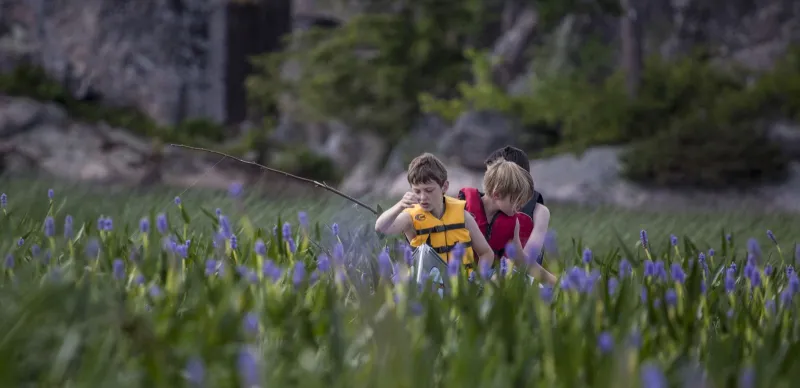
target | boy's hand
[
  {"x": 408, "y": 201},
  {"x": 516, "y": 233}
]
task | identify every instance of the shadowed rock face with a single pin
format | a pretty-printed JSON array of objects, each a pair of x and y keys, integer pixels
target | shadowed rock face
[{"x": 142, "y": 54}]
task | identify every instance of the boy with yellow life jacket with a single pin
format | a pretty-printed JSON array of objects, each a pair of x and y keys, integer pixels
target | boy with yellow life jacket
[{"x": 425, "y": 215}]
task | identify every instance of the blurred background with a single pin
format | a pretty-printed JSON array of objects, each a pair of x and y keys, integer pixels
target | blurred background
[{"x": 659, "y": 104}]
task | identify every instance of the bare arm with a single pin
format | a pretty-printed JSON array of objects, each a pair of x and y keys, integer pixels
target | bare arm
[
  {"x": 479, "y": 244},
  {"x": 534, "y": 269},
  {"x": 393, "y": 221},
  {"x": 541, "y": 221}
]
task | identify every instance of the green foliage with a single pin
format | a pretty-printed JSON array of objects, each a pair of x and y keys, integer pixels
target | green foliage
[
  {"x": 75, "y": 315},
  {"x": 587, "y": 112},
  {"x": 369, "y": 72},
  {"x": 299, "y": 160},
  {"x": 701, "y": 153},
  {"x": 33, "y": 82}
]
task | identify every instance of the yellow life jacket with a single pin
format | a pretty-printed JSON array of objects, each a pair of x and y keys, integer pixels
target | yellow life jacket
[{"x": 443, "y": 234}]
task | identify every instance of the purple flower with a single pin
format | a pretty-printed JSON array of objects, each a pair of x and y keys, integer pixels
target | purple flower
[
  {"x": 218, "y": 212},
  {"x": 303, "y": 218},
  {"x": 139, "y": 280},
  {"x": 671, "y": 297},
  {"x": 605, "y": 342},
  {"x": 161, "y": 223},
  {"x": 335, "y": 229},
  {"x": 225, "y": 227},
  {"x": 794, "y": 283},
  {"x": 92, "y": 248},
  {"x": 3, "y": 200},
  {"x": 711, "y": 252},
  {"x": 9, "y": 263},
  {"x": 235, "y": 189},
  {"x": 35, "y": 250},
  {"x": 748, "y": 378},
  {"x": 178, "y": 201},
  {"x": 299, "y": 273},
  {"x": 154, "y": 292},
  {"x": 68, "y": 226},
  {"x": 234, "y": 242},
  {"x": 624, "y": 268},
  {"x": 384, "y": 264},
  {"x": 768, "y": 270},
  {"x": 292, "y": 245},
  {"x": 211, "y": 267},
  {"x": 271, "y": 271},
  {"x": 323, "y": 263},
  {"x": 772, "y": 237},
  {"x": 786, "y": 297},
  {"x": 195, "y": 371},
  {"x": 576, "y": 278},
  {"x": 260, "y": 247},
  {"x": 730, "y": 283},
  {"x": 643, "y": 239},
  {"x": 458, "y": 251},
  {"x": 408, "y": 255},
  {"x": 550, "y": 243},
  {"x": 20, "y": 242},
  {"x": 250, "y": 323},
  {"x": 673, "y": 240},
  {"x": 118, "y": 269},
  {"x": 510, "y": 250},
  {"x": 453, "y": 267},
  {"x": 247, "y": 365},
  {"x": 649, "y": 268},
  {"x": 755, "y": 279},
  {"x": 338, "y": 254},
  {"x": 503, "y": 266},
  {"x": 612, "y": 285},
  {"x": 51, "y": 194},
  {"x": 753, "y": 248},
  {"x": 546, "y": 293},
  {"x": 677, "y": 273},
  {"x": 652, "y": 376},
  {"x": 49, "y": 227},
  {"x": 484, "y": 269},
  {"x": 643, "y": 294},
  {"x": 286, "y": 231},
  {"x": 587, "y": 256},
  {"x": 144, "y": 225}
]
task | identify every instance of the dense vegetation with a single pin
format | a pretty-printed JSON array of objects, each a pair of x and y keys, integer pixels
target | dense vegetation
[{"x": 190, "y": 296}]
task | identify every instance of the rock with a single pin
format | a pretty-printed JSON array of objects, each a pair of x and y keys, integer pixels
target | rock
[
  {"x": 361, "y": 178},
  {"x": 18, "y": 115},
  {"x": 419, "y": 140},
  {"x": 475, "y": 136},
  {"x": 787, "y": 135},
  {"x": 577, "y": 179}
]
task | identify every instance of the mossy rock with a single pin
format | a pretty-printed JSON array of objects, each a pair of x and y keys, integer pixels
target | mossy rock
[
  {"x": 698, "y": 153},
  {"x": 303, "y": 162}
]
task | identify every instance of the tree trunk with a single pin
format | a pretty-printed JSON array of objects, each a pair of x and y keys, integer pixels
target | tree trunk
[{"x": 631, "y": 36}]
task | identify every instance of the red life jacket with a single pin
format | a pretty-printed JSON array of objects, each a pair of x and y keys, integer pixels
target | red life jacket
[{"x": 500, "y": 229}]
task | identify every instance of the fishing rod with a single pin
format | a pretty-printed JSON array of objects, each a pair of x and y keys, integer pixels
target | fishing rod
[{"x": 377, "y": 211}]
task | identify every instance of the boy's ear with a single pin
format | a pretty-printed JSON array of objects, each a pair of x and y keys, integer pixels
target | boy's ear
[{"x": 445, "y": 186}]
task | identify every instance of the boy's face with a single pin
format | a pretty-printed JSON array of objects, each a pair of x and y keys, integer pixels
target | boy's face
[
  {"x": 505, "y": 204},
  {"x": 429, "y": 195}
]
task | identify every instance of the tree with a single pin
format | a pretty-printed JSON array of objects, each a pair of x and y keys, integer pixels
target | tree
[{"x": 631, "y": 36}]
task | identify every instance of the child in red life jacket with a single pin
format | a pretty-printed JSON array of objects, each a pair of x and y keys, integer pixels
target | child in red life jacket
[
  {"x": 508, "y": 188},
  {"x": 535, "y": 208}
]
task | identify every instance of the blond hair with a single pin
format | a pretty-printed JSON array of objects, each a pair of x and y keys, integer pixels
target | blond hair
[
  {"x": 504, "y": 178},
  {"x": 426, "y": 168}
]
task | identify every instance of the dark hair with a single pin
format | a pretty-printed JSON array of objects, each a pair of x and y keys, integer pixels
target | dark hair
[
  {"x": 426, "y": 168},
  {"x": 512, "y": 154}
]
